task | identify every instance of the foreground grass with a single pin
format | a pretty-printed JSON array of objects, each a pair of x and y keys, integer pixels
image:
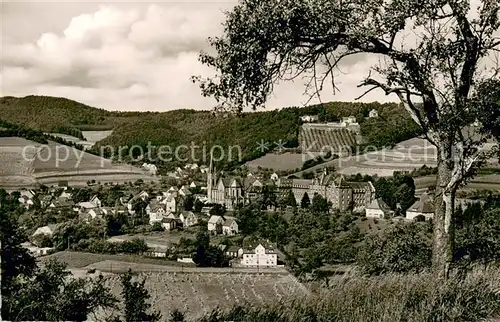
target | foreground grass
[{"x": 407, "y": 298}]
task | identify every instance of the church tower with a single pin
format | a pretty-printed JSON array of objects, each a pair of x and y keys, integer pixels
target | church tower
[{"x": 211, "y": 181}]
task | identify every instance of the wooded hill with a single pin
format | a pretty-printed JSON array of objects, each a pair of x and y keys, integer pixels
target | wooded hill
[{"x": 181, "y": 127}]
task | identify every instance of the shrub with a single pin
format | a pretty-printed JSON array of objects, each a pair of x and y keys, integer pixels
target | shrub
[{"x": 404, "y": 248}]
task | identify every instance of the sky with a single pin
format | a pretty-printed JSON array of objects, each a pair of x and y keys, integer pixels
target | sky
[{"x": 133, "y": 56}]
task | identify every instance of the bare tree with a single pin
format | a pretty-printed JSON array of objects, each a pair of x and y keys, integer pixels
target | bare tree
[{"x": 437, "y": 76}]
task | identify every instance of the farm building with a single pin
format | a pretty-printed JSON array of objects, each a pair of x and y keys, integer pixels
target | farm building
[
  {"x": 421, "y": 207},
  {"x": 309, "y": 118},
  {"x": 378, "y": 209},
  {"x": 260, "y": 257},
  {"x": 38, "y": 251}
]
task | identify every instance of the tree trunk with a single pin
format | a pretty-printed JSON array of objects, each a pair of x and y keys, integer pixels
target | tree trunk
[{"x": 443, "y": 238}]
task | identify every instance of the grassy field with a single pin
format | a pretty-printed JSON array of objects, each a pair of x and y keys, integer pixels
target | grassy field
[
  {"x": 197, "y": 294},
  {"x": 26, "y": 163},
  {"x": 83, "y": 260}
]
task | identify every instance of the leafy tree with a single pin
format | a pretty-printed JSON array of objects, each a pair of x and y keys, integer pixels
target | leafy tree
[
  {"x": 436, "y": 79},
  {"x": 319, "y": 204},
  {"x": 290, "y": 199},
  {"x": 218, "y": 210},
  {"x": 198, "y": 205},
  {"x": 134, "y": 246},
  {"x": 305, "y": 202},
  {"x": 189, "y": 203},
  {"x": 116, "y": 224},
  {"x": 176, "y": 316},
  {"x": 30, "y": 293},
  {"x": 404, "y": 248},
  {"x": 135, "y": 298},
  {"x": 207, "y": 255},
  {"x": 42, "y": 240}
]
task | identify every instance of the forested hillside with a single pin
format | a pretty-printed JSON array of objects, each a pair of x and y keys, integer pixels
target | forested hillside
[{"x": 182, "y": 127}]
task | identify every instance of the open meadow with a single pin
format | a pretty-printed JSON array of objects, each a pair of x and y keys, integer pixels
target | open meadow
[
  {"x": 26, "y": 163},
  {"x": 198, "y": 294}
]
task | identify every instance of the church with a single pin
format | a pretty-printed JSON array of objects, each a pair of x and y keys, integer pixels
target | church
[
  {"x": 342, "y": 194},
  {"x": 231, "y": 190}
]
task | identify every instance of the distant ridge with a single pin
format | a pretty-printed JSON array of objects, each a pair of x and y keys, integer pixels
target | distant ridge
[{"x": 183, "y": 127}]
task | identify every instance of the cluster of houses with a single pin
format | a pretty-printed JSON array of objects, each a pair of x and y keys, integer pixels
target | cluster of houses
[{"x": 422, "y": 208}]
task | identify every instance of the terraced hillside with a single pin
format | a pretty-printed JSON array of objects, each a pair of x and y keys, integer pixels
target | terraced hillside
[{"x": 325, "y": 139}]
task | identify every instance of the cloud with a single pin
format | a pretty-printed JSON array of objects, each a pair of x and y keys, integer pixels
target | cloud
[
  {"x": 137, "y": 57},
  {"x": 116, "y": 58}
]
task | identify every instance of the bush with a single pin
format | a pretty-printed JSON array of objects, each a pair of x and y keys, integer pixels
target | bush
[{"x": 404, "y": 248}]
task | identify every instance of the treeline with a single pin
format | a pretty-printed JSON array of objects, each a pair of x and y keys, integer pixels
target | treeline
[
  {"x": 203, "y": 129},
  {"x": 12, "y": 130}
]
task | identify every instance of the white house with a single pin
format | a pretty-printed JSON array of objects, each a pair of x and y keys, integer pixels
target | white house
[
  {"x": 421, "y": 207},
  {"x": 143, "y": 195},
  {"x": 45, "y": 230},
  {"x": 309, "y": 118},
  {"x": 188, "y": 218},
  {"x": 96, "y": 201},
  {"x": 260, "y": 257},
  {"x": 230, "y": 227},
  {"x": 214, "y": 222},
  {"x": 65, "y": 194},
  {"x": 184, "y": 191},
  {"x": 373, "y": 114},
  {"x": 274, "y": 176},
  {"x": 96, "y": 213},
  {"x": 156, "y": 214},
  {"x": 192, "y": 185},
  {"x": 378, "y": 209},
  {"x": 171, "y": 203},
  {"x": 234, "y": 252},
  {"x": 30, "y": 194},
  {"x": 169, "y": 223}
]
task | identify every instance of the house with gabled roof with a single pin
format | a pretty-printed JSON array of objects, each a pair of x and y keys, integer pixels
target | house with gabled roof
[
  {"x": 229, "y": 227},
  {"x": 234, "y": 252},
  {"x": 260, "y": 257},
  {"x": 96, "y": 201},
  {"x": 156, "y": 214},
  {"x": 188, "y": 218},
  {"x": 46, "y": 230},
  {"x": 215, "y": 224},
  {"x": 424, "y": 206},
  {"x": 378, "y": 209}
]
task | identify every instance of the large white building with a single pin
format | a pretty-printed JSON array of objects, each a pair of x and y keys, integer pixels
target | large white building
[
  {"x": 378, "y": 209},
  {"x": 342, "y": 194},
  {"x": 260, "y": 257}
]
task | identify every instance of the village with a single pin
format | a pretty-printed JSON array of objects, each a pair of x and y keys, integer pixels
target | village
[{"x": 161, "y": 218}]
